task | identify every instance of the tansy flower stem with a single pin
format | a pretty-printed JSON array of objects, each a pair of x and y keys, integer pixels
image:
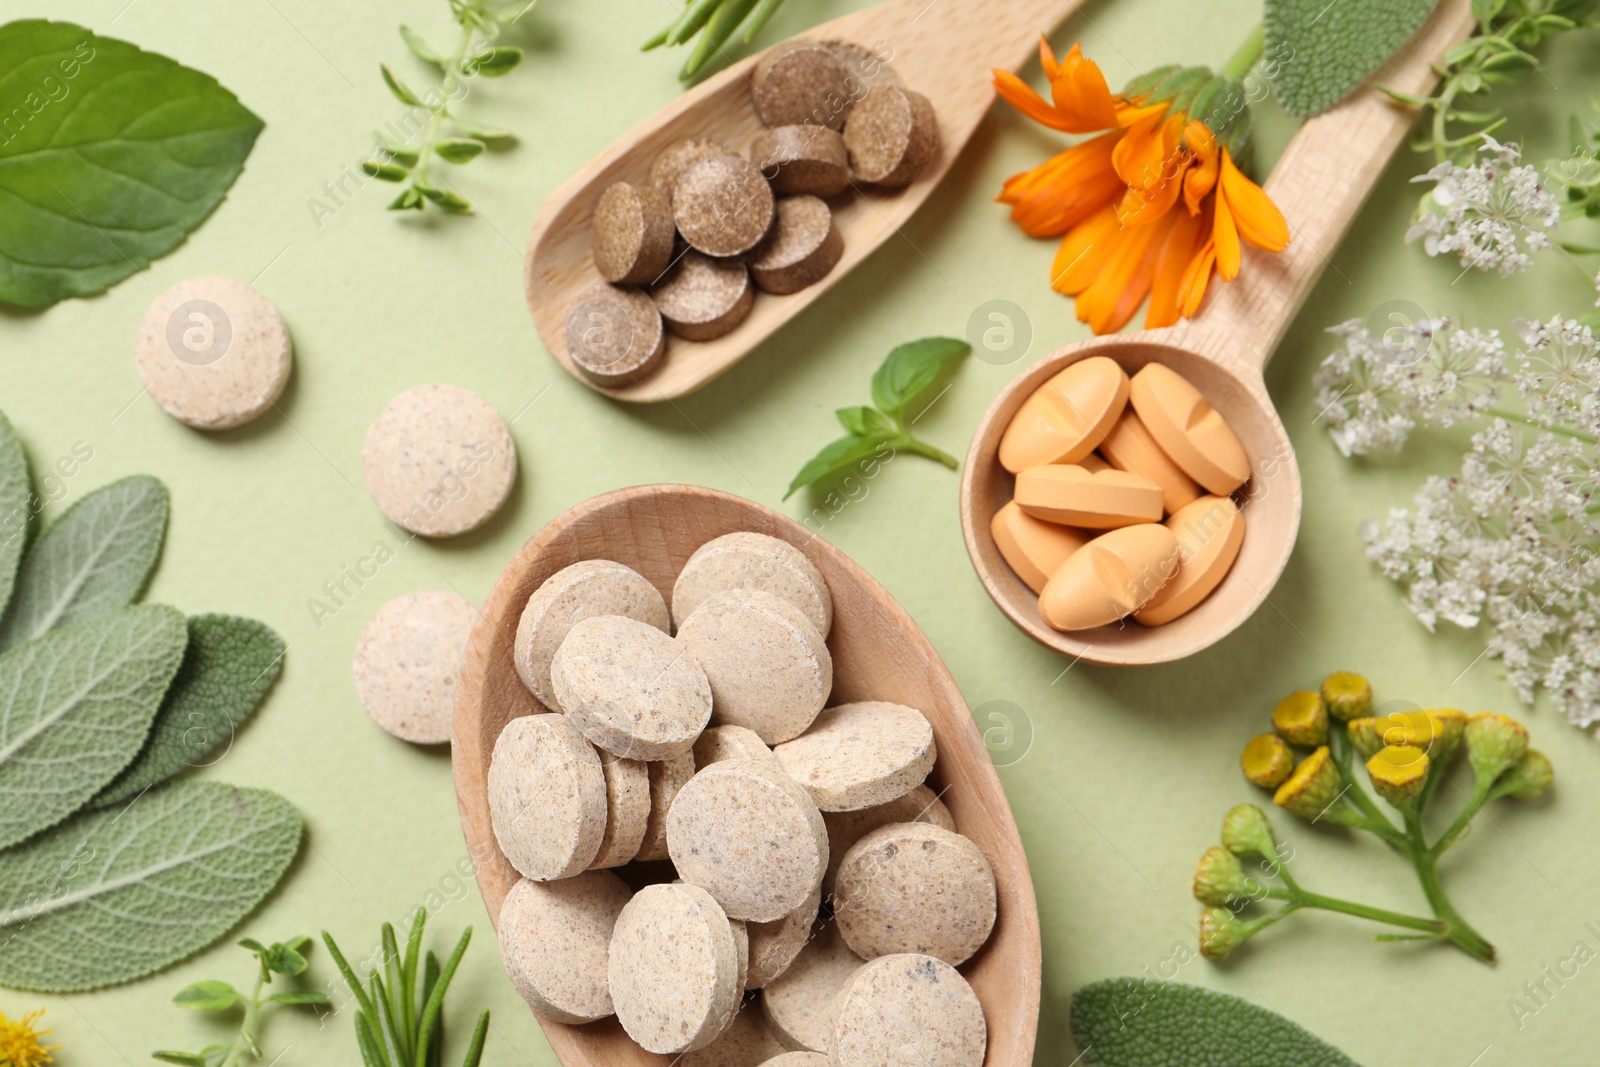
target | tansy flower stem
[
  {"x": 1457, "y": 828},
  {"x": 1458, "y": 930},
  {"x": 1376, "y": 821},
  {"x": 1245, "y": 58},
  {"x": 1380, "y": 915}
]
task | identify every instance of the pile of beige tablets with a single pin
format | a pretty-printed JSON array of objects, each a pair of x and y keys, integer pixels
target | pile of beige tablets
[
  {"x": 806, "y": 857},
  {"x": 1122, "y": 502},
  {"x": 685, "y": 249}
]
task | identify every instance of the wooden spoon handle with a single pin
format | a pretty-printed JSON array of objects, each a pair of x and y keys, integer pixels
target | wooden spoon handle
[{"x": 1319, "y": 184}]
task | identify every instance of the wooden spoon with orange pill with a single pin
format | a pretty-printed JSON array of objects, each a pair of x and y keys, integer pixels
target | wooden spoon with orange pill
[{"x": 1181, "y": 413}]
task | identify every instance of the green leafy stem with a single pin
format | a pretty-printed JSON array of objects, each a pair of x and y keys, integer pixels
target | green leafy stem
[
  {"x": 281, "y": 958},
  {"x": 715, "y": 21}
]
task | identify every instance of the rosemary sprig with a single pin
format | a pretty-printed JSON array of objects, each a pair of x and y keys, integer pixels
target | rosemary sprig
[{"x": 715, "y": 22}]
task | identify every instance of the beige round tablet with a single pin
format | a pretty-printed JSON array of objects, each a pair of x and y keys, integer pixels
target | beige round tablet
[
  {"x": 667, "y": 777},
  {"x": 581, "y": 591},
  {"x": 730, "y": 742},
  {"x": 1067, "y": 417},
  {"x": 1129, "y": 447},
  {"x": 630, "y": 688},
  {"x": 861, "y": 755},
  {"x": 1033, "y": 547},
  {"x": 746, "y": 833},
  {"x": 748, "y": 1041},
  {"x": 614, "y": 336},
  {"x": 915, "y": 887},
  {"x": 555, "y": 940},
  {"x": 802, "y": 159},
  {"x": 1112, "y": 576},
  {"x": 408, "y": 661},
  {"x": 774, "y": 945},
  {"x": 845, "y": 828},
  {"x": 801, "y": 82},
  {"x": 672, "y": 972},
  {"x": 892, "y": 136},
  {"x": 547, "y": 797},
  {"x": 798, "y": 1059},
  {"x": 723, "y": 206},
  {"x": 439, "y": 460},
  {"x": 627, "y": 810},
  {"x": 213, "y": 352},
  {"x": 802, "y": 248},
  {"x": 1188, "y": 429},
  {"x": 769, "y": 669},
  {"x": 906, "y": 1009},
  {"x": 702, "y": 298},
  {"x": 632, "y": 233},
  {"x": 865, "y": 65},
  {"x": 1209, "y": 533},
  {"x": 1093, "y": 500},
  {"x": 799, "y": 1002},
  {"x": 747, "y": 560},
  {"x": 671, "y": 165}
]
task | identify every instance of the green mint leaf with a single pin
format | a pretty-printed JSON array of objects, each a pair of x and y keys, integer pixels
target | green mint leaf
[
  {"x": 75, "y": 706},
  {"x": 183, "y": 1059},
  {"x": 842, "y": 455},
  {"x": 1135, "y": 1022},
  {"x": 90, "y": 562},
  {"x": 494, "y": 62},
  {"x": 147, "y": 885},
  {"x": 208, "y": 996},
  {"x": 866, "y": 420},
  {"x": 911, "y": 368},
  {"x": 16, "y": 507},
  {"x": 112, "y": 157},
  {"x": 1320, "y": 52},
  {"x": 401, "y": 91},
  {"x": 300, "y": 996},
  {"x": 420, "y": 48},
  {"x": 458, "y": 149}
]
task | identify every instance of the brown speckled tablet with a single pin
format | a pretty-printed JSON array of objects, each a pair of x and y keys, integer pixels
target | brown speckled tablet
[
  {"x": 892, "y": 135},
  {"x": 860, "y": 755},
  {"x": 614, "y": 336},
  {"x": 802, "y": 159},
  {"x": 908, "y": 1008},
  {"x": 845, "y": 828},
  {"x": 671, "y": 164},
  {"x": 742, "y": 830},
  {"x": 213, "y": 352},
  {"x": 747, "y": 560},
  {"x": 747, "y": 1042},
  {"x": 799, "y": 1002},
  {"x": 632, "y": 233},
  {"x": 774, "y": 945},
  {"x": 915, "y": 887},
  {"x": 547, "y": 797},
  {"x": 768, "y": 667},
  {"x": 667, "y": 776},
  {"x": 630, "y": 688},
  {"x": 581, "y": 591},
  {"x": 627, "y": 810},
  {"x": 702, "y": 298},
  {"x": 555, "y": 941},
  {"x": 865, "y": 66},
  {"x": 439, "y": 460},
  {"x": 723, "y": 206},
  {"x": 802, "y": 248},
  {"x": 801, "y": 82},
  {"x": 408, "y": 661},
  {"x": 673, "y": 972},
  {"x": 730, "y": 742}
]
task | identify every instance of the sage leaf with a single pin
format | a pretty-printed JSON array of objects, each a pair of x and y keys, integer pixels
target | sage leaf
[
  {"x": 1136, "y": 1022},
  {"x": 117, "y": 894},
  {"x": 75, "y": 707},
  {"x": 109, "y": 157},
  {"x": 1319, "y": 52},
  {"x": 207, "y": 996},
  {"x": 228, "y": 666},
  {"x": 911, "y": 368},
  {"x": 16, "y": 500},
  {"x": 842, "y": 455},
  {"x": 90, "y": 562}
]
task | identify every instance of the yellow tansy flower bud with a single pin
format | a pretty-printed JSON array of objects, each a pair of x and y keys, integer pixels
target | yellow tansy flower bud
[
  {"x": 1415, "y": 728},
  {"x": 1451, "y": 726},
  {"x": 1313, "y": 786},
  {"x": 1220, "y": 880},
  {"x": 1267, "y": 761},
  {"x": 1397, "y": 772},
  {"x": 1495, "y": 743},
  {"x": 1347, "y": 694},
  {"x": 1220, "y": 933},
  {"x": 1246, "y": 832},
  {"x": 1530, "y": 779},
  {"x": 1301, "y": 719}
]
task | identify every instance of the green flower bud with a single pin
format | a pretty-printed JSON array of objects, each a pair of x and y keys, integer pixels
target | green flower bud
[
  {"x": 1529, "y": 779},
  {"x": 1219, "y": 879},
  {"x": 1221, "y": 932},
  {"x": 1313, "y": 786},
  {"x": 1495, "y": 743},
  {"x": 1451, "y": 726},
  {"x": 1397, "y": 773},
  {"x": 1347, "y": 694},
  {"x": 1267, "y": 761},
  {"x": 1301, "y": 719},
  {"x": 1246, "y": 832}
]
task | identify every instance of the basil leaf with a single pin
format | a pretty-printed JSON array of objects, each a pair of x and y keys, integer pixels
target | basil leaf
[
  {"x": 911, "y": 368},
  {"x": 1136, "y": 1022},
  {"x": 75, "y": 707},
  {"x": 865, "y": 420},
  {"x": 115, "y": 895},
  {"x": 837, "y": 457},
  {"x": 93, "y": 560},
  {"x": 228, "y": 666},
  {"x": 207, "y": 996},
  {"x": 1317, "y": 53},
  {"x": 16, "y": 507},
  {"x": 109, "y": 157}
]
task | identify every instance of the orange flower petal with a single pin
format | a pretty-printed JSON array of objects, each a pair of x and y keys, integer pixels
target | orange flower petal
[
  {"x": 1124, "y": 280},
  {"x": 1149, "y": 153},
  {"x": 1066, "y": 189},
  {"x": 1083, "y": 251},
  {"x": 1196, "y": 278},
  {"x": 1258, "y": 219},
  {"x": 1225, "y": 237},
  {"x": 1142, "y": 206},
  {"x": 1172, "y": 266},
  {"x": 1081, "y": 95},
  {"x": 1016, "y": 92},
  {"x": 1047, "y": 59},
  {"x": 1202, "y": 177}
]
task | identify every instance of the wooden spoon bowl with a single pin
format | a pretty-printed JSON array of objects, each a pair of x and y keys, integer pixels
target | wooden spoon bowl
[
  {"x": 1319, "y": 184},
  {"x": 878, "y": 654}
]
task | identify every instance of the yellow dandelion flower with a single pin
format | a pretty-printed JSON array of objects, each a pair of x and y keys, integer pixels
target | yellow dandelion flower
[{"x": 20, "y": 1044}]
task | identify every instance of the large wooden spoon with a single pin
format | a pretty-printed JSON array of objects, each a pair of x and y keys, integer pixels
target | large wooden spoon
[
  {"x": 943, "y": 49},
  {"x": 1319, "y": 184},
  {"x": 878, "y": 654}
]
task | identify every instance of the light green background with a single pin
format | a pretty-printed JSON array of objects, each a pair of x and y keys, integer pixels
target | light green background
[{"x": 1129, "y": 772}]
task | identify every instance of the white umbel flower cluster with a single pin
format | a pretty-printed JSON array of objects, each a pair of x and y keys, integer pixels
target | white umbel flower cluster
[
  {"x": 1512, "y": 541},
  {"x": 1493, "y": 215}
]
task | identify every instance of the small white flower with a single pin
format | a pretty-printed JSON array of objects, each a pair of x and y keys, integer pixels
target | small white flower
[{"x": 1492, "y": 215}]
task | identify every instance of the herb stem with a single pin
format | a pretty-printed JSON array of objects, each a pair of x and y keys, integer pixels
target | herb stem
[
  {"x": 1366, "y": 911},
  {"x": 1249, "y": 52},
  {"x": 922, "y": 448},
  {"x": 1555, "y": 428},
  {"x": 246, "y": 1038},
  {"x": 1426, "y": 863}
]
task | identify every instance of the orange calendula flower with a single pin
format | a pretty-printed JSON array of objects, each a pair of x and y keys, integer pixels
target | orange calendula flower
[{"x": 1149, "y": 208}]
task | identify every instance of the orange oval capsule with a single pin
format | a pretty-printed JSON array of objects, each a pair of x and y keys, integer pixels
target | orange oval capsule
[
  {"x": 1034, "y": 548},
  {"x": 1188, "y": 429},
  {"x": 1067, "y": 417},
  {"x": 1098, "y": 500},
  {"x": 1112, "y": 576},
  {"x": 1129, "y": 447},
  {"x": 1209, "y": 533}
]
